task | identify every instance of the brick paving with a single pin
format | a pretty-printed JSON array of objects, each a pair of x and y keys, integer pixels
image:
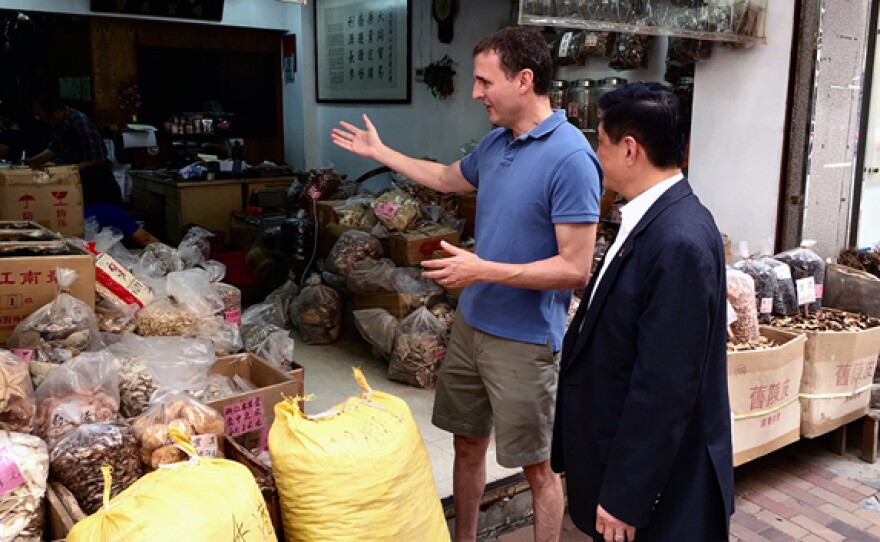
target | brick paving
[{"x": 786, "y": 496}]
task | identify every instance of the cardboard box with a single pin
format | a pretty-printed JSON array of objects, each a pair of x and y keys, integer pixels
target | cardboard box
[
  {"x": 250, "y": 414},
  {"x": 838, "y": 374},
  {"x": 28, "y": 282},
  {"x": 115, "y": 282},
  {"x": 410, "y": 248},
  {"x": 763, "y": 386},
  {"x": 399, "y": 305},
  {"x": 51, "y": 197}
]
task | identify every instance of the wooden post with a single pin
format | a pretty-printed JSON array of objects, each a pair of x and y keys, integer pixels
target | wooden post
[
  {"x": 869, "y": 437},
  {"x": 837, "y": 440}
]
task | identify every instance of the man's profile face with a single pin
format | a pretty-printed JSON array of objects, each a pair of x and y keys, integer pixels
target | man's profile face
[
  {"x": 52, "y": 120},
  {"x": 492, "y": 87}
]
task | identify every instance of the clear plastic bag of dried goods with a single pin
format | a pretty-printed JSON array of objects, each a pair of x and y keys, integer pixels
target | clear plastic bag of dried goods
[
  {"x": 76, "y": 461},
  {"x": 317, "y": 313},
  {"x": 352, "y": 247},
  {"x": 21, "y": 505},
  {"x": 570, "y": 47},
  {"x": 277, "y": 349},
  {"x": 322, "y": 183},
  {"x": 115, "y": 317},
  {"x": 631, "y": 52},
  {"x": 396, "y": 210},
  {"x": 377, "y": 327},
  {"x": 419, "y": 349},
  {"x": 351, "y": 211},
  {"x": 225, "y": 336},
  {"x": 158, "y": 260},
  {"x": 741, "y": 296},
  {"x": 283, "y": 296},
  {"x": 195, "y": 248},
  {"x": 216, "y": 270},
  {"x": 61, "y": 329},
  {"x": 231, "y": 297},
  {"x": 83, "y": 390},
  {"x": 18, "y": 405},
  {"x": 163, "y": 317},
  {"x": 808, "y": 273},
  {"x": 193, "y": 291},
  {"x": 409, "y": 280},
  {"x": 765, "y": 282},
  {"x": 259, "y": 321},
  {"x": 371, "y": 277}
]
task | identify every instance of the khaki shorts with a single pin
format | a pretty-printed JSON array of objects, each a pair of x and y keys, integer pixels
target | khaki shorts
[{"x": 486, "y": 380}]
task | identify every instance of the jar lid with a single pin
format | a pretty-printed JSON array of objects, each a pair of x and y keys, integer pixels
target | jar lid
[
  {"x": 613, "y": 81},
  {"x": 586, "y": 83},
  {"x": 685, "y": 81},
  {"x": 558, "y": 83}
]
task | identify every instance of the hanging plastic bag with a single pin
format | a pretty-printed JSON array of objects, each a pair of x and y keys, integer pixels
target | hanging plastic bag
[
  {"x": 317, "y": 313},
  {"x": 22, "y": 517},
  {"x": 352, "y": 247},
  {"x": 59, "y": 330},
  {"x": 808, "y": 273},
  {"x": 18, "y": 405},
  {"x": 419, "y": 349},
  {"x": 377, "y": 327},
  {"x": 76, "y": 461},
  {"x": 200, "y": 499},
  {"x": 741, "y": 295},
  {"x": 369, "y": 444},
  {"x": 83, "y": 390},
  {"x": 765, "y": 282},
  {"x": 371, "y": 277}
]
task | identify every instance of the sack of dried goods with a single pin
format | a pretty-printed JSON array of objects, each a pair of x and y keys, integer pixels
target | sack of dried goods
[
  {"x": 317, "y": 313},
  {"x": 808, "y": 273},
  {"x": 163, "y": 317},
  {"x": 63, "y": 328},
  {"x": 352, "y": 247},
  {"x": 741, "y": 296},
  {"x": 369, "y": 445},
  {"x": 115, "y": 317},
  {"x": 25, "y": 462},
  {"x": 765, "y": 282},
  {"x": 201, "y": 499},
  {"x": 17, "y": 405},
  {"x": 371, "y": 277},
  {"x": 377, "y": 327},
  {"x": 419, "y": 349},
  {"x": 397, "y": 210}
]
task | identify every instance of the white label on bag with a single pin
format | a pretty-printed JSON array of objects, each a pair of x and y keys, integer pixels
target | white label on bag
[
  {"x": 806, "y": 290},
  {"x": 591, "y": 40},
  {"x": 205, "y": 445},
  {"x": 565, "y": 44},
  {"x": 766, "y": 305},
  {"x": 783, "y": 271},
  {"x": 731, "y": 313}
]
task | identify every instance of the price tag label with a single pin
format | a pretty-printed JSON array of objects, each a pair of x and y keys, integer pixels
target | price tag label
[
  {"x": 10, "y": 474},
  {"x": 313, "y": 193},
  {"x": 783, "y": 272},
  {"x": 233, "y": 316},
  {"x": 731, "y": 314},
  {"x": 386, "y": 209},
  {"x": 264, "y": 440},
  {"x": 820, "y": 289},
  {"x": 205, "y": 445},
  {"x": 565, "y": 44},
  {"x": 806, "y": 290},
  {"x": 591, "y": 40},
  {"x": 244, "y": 416},
  {"x": 766, "y": 305},
  {"x": 24, "y": 353}
]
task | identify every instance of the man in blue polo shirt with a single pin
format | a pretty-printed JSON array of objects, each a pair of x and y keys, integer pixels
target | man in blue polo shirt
[{"x": 537, "y": 208}]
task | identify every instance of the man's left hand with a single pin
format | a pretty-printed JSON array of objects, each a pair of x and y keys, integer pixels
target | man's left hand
[
  {"x": 612, "y": 528},
  {"x": 462, "y": 269}
]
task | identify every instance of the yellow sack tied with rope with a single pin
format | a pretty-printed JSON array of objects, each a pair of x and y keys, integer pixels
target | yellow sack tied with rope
[
  {"x": 203, "y": 499},
  {"x": 357, "y": 472}
]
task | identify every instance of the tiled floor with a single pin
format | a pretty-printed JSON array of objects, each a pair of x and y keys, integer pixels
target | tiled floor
[{"x": 328, "y": 378}]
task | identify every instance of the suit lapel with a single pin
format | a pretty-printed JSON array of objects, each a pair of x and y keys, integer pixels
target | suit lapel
[{"x": 574, "y": 341}]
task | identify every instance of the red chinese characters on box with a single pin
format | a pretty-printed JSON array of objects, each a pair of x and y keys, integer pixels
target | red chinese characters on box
[{"x": 769, "y": 396}]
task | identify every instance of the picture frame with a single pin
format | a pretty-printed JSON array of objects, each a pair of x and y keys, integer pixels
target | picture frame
[{"x": 362, "y": 51}]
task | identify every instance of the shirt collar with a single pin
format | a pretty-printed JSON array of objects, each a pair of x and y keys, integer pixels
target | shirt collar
[
  {"x": 632, "y": 212},
  {"x": 545, "y": 126}
]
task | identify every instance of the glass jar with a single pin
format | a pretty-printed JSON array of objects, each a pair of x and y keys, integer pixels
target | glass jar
[
  {"x": 607, "y": 85},
  {"x": 558, "y": 90},
  {"x": 582, "y": 99}
]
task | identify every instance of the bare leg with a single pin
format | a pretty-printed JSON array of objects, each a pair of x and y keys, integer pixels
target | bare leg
[
  {"x": 547, "y": 500},
  {"x": 468, "y": 484}
]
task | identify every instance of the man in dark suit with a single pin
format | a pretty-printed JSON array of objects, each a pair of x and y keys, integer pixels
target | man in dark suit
[{"x": 642, "y": 426}]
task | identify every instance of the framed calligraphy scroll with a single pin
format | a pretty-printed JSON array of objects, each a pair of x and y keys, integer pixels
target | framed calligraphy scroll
[{"x": 362, "y": 51}]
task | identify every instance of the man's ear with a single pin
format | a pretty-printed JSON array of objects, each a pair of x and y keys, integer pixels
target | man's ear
[
  {"x": 526, "y": 80},
  {"x": 632, "y": 149}
]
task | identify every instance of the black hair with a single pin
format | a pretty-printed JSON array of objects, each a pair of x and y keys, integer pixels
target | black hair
[
  {"x": 650, "y": 114},
  {"x": 520, "y": 48},
  {"x": 50, "y": 103}
]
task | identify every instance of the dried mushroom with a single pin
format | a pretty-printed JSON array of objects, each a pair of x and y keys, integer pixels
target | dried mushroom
[
  {"x": 17, "y": 406},
  {"x": 21, "y": 508},
  {"x": 419, "y": 349}
]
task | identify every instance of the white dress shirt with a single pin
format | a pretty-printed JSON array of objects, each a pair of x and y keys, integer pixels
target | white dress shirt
[{"x": 630, "y": 215}]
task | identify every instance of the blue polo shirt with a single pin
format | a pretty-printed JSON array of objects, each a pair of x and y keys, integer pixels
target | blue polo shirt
[{"x": 526, "y": 185}]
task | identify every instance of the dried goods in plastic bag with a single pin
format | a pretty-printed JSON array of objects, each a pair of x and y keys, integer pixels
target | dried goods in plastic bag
[
  {"x": 371, "y": 277},
  {"x": 158, "y": 260},
  {"x": 631, "y": 52},
  {"x": 352, "y": 247},
  {"x": 277, "y": 349},
  {"x": 317, "y": 313},
  {"x": 351, "y": 212},
  {"x": 419, "y": 349},
  {"x": 322, "y": 184},
  {"x": 17, "y": 401},
  {"x": 765, "y": 282},
  {"x": 377, "y": 327},
  {"x": 21, "y": 507},
  {"x": 225, "y": 336},
  {"x": 785, "y": 295},
  {"x": 194, "y": 248},
  {"x": 194, "y": 292},
  {"x": 808, "y": 273},
  {"x": 76, "y": 461},
  {"x": 163, "y": 317},
  {"x": 115, "y": 317},
  {"x": 741, "y": 296},
  {"x": 61, "y": 329},
  {"x": 283, "y": 296},
  {"x": 396, "y": 210}
]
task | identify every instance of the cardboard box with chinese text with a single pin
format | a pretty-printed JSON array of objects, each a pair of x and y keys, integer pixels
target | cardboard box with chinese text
[
  {"x": 28, "y": 282},
  {"x": 411, "y": 247},
  {"x": 51, "y": 197},
  {"x": 763, "y": 386},
  {"x": 838, "y": 374}
]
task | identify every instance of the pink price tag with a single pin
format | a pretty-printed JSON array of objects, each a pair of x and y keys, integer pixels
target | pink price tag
[
  {"x": 10, "y": 475},
  {"x": 264, "y": 441},
  {"x": 233, "y": 316},
  {"x": 820, "y": 289},
  {"x": 386, "y": 210},
  {"x": 244, "y": 416},
  {"x": 24, "y": 353},
  {"x": 313, "y": 193}
]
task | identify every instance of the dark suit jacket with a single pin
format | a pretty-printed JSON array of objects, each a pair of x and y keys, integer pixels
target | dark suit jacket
[{"x": 642, "y": 417}]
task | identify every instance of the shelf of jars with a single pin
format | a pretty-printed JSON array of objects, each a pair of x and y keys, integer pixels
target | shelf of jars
[{"x": 736, "y": 21}]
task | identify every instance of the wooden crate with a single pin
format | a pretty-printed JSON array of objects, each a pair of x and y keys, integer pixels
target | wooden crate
[{"x": 412, "y": 247}]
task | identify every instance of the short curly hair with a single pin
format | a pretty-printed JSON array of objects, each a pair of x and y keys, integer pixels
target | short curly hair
[{"x": 520, "y": 48}]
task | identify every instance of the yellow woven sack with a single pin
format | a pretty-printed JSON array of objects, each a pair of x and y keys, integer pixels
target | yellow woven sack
[
  {"x": 358, "y": 472},
  {"x": 203, "y": 499}
]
